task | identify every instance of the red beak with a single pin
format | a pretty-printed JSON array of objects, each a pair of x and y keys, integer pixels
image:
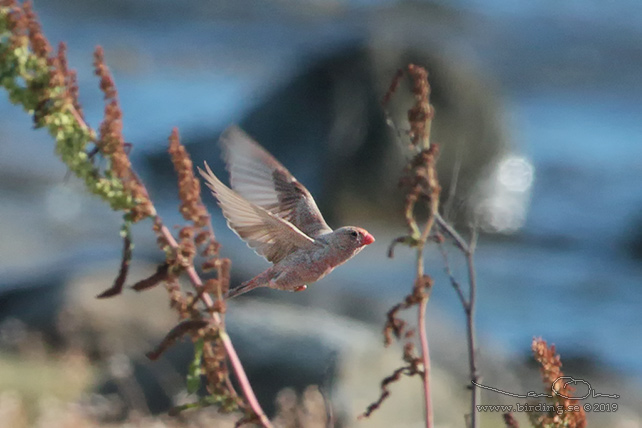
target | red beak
[{"x": 368, "y": 239}]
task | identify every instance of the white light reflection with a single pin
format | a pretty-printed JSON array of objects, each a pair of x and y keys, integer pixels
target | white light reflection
[
  {"x": 516, "y": 174},
  {"x": 507, "y": 191}
]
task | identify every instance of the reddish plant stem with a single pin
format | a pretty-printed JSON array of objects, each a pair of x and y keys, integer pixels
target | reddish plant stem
[
  {"x": 81, "y": 121},
  {"x": 244, "y": 383},
  {"x": 423, "y": 336},
  {"x": 243, "y": 380},
  {"x": 425, "y": 355},
  {"x": 206, "y": 298}
]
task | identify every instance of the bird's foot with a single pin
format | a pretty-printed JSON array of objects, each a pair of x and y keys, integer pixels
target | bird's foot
[{"x": 301, "y": 288}]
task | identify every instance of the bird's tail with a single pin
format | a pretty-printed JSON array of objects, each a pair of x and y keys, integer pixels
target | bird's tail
[{"x": 256, "y": 282}]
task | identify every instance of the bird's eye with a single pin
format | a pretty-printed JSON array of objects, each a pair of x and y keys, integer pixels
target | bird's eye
[{"x": 354, "y": 233}]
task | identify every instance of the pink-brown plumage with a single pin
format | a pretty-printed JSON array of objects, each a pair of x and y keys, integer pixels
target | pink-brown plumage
[{"x": 277, "y": 217}]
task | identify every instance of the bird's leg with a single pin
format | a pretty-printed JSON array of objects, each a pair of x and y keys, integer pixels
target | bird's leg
[{"x": 301, "y": 288}]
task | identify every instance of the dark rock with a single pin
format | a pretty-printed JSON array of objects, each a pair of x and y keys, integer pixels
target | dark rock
[{"x": 323, "y": 119}]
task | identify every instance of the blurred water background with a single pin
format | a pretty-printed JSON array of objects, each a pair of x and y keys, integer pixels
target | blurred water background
[{"x": 563, "y": 201}]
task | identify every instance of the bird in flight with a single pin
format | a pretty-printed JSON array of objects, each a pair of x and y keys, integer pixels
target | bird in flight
[{"x": 277, "y": 217}]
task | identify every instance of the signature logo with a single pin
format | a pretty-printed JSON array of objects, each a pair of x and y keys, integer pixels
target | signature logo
[{"x": 558, "y": 387}]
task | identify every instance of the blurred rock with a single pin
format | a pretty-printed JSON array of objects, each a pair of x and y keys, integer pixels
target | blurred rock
[
  {"x": 321, "y": 116},
  {"x": 280, "y": 345},
  {"x": 329, "y": 121}
]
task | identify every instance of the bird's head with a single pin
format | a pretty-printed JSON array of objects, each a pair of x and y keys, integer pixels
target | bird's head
[{"x": 351, "y": 237}]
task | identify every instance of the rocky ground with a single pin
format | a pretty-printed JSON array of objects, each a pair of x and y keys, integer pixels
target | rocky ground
[{"x": 83, "y": 361}]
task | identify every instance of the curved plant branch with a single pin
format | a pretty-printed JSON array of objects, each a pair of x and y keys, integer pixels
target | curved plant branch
[{"x": 38, "y": 79}]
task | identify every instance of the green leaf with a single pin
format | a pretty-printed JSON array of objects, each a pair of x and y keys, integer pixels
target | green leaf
[
  {"x": 194, "y": 373},
  {"x": 210, "y": 400}
]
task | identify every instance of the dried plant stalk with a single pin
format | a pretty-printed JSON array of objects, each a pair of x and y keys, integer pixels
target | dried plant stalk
[
  {"x": 551, "y": 370},
  {"x": 42, "y": 83},
  {"x": 420, "y": 181},
  {"x": 422, "y": 186}
]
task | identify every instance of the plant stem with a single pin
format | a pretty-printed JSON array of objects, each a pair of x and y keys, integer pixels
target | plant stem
[
  {"x": 244, "y": 383},
  {"x": 469, "y": 308},
  {"x": 470, "y": 328},
  {"x": 196, "y": 281},
  {"x": 425, "y": 354},
  {"x": 243, "y": 380},
  {"x": 423, "y": 336},
  {"x": 209, "y": 303}
]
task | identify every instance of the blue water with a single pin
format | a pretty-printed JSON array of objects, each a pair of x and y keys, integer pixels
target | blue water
[
  {"x": 567, "y": 277},
  {"x": 581, "y": 288}
]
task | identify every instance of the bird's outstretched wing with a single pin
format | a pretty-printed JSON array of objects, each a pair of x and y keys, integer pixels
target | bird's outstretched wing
[
  {"x": 270, "y": 236},
  {"x": 261, "y": 179}
]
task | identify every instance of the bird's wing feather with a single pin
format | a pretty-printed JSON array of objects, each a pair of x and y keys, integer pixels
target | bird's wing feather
[
  {"x": 261, "y": 179},
  {"x": 270, "y": 236}
]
